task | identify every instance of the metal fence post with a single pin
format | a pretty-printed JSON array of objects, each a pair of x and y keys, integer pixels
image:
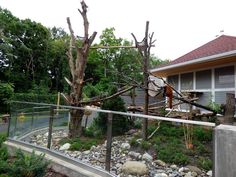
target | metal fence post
[
  {"x": 32, "y": 119},
  {"x": 50, "y": 126},
  {"x": 8, "y": 126},
  {"x": 109, "y": 141}
]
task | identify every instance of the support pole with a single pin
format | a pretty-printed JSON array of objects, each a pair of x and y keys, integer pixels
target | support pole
[
  {"x": 109, "y": 142},
  {"x": 50, "y": 126}
]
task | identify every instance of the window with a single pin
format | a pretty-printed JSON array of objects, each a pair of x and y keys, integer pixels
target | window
[
  {"x": 186, "y": 81},
  {"x": 173, "y": 81},
  {"x": 224, "y": 77},
  {"x": 203, "y": 79}
]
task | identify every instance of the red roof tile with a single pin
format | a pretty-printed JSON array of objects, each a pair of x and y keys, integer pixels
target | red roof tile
[{"x": 219, "y": 45}]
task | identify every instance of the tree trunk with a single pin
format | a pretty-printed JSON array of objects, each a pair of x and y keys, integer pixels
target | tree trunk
[
  {"x": 229, "y": 108},
  {"x": 75, "y": 128}
]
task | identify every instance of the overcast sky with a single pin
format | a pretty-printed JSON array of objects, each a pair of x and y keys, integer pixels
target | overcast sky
[{"x": 178, "y": 25}]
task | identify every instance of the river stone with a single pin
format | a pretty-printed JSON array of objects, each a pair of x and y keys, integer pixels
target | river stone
[
  {"x": 184, "y": 169},
  {"x": 174, "y": 167},
  {"x": 189, "y": 174},
  {"x": 147, "y": 157},
  {"x": 135, "y": 155},
  {"x": 86, "y": 152},
  {"x": 125, "y": 146},
  {"x": 65, "y": 147},
  {"x": 134, "y": 168},
  {"x": 161, "y": 175},
  {"x": 160, "y": 163},
  {"x": 209, "y": 173},
  {"x": 194, "y": 169}
]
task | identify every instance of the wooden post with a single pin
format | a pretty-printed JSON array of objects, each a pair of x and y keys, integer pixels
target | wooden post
[
  {"x": 50, "y": 127},
  {"x": 229, "y": 108},
  {"x": 109, "y": 142}
]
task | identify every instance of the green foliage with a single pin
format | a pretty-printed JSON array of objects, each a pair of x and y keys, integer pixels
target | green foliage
[
  {"x": 80, "y": 144},
  {"x": 133, "y": 142},
  {"x": 3, "y": 153},
  {"x": 6, "y": 93},
  {"x": 202, "y": 134},
  {"x": 214, "y": 106},
  {"x": 170, "y": 130},
  {"x": 3, "y": 137},
  {"x": 145, "y": 145},
  {"x": 34, "y": 97},
  {"x": 28, "y": 165},
  {"x": 3, "y": 150},
  {"x": 205, "y": 163},
  {"x": 172, "y": 152},
  {"x": 24, "y": 165},
  {"x": 120, "y": 124}
]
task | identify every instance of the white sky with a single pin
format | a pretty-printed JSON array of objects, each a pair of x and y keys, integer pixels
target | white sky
[{"x": 178, "y": 25}]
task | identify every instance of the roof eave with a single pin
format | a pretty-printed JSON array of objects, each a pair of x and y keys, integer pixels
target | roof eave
[{"x": 195, "y": 61}]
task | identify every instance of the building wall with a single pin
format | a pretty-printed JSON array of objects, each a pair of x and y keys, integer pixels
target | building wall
[{"x": 212, "y": 83}]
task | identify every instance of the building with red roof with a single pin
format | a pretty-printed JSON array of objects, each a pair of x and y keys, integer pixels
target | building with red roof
[{"x": 209, "y": 70}]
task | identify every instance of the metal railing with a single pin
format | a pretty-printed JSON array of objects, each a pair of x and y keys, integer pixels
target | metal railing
[{"x": 51, "y": 111}]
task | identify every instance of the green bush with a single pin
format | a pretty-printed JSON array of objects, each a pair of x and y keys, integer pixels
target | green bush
[
  {"x": 133, "y": 142},
  {"x": 202, "y": 134},
  {"x": 82, "y": 145},
  {"x": 120, "y": 124},
  {"x": 36, "y": 97},
  {"x": 172, "y": 154},
  {"x": 79, "y": 144},
  {"x": 3, "y": 137},
  {"x": 6, "y": 93},
  {"x": 3, "y": 153},
  {"x": 4, "y": 167},
  {"x": 205, "y": 163},
  {"x": 28, "y": 165},
  {"x": 145, "y": 145}
]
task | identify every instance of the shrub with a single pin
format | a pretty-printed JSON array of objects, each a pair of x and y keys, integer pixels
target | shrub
[
  {"x": 28, "y": 165},
  {"x": 202, "y": 134},
  {"x": 205, "y": 163},
  {"x": 6, "y": 92},
  {"x": 3, "y": 153},
  {"x": 171, "y": 154},
  {"x": 81, "y": 145},
  {"x": 145, "y": 145},
  {"x": 120, "y": 124},
  {"x": 3, "y": 137},
  {"x": 133, "y": 142}
]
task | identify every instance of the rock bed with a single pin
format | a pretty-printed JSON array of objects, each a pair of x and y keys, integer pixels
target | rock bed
[{"x": 124, "y": 162}]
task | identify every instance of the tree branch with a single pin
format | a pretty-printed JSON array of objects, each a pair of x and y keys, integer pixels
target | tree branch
[{"x": 109, "y": 97}]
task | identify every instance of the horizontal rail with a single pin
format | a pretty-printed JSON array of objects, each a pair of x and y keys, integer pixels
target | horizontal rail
[{"x": 209, "y": 124}]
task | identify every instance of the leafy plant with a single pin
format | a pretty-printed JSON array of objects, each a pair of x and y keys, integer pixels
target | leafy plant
[
  {"x": 120, "y": 124},
  {"x": 81, "y": 145},
  {"x": 145, "y": 145},
  {"x": 133, "y": 142},
  {"x": 28, "y": 165},
  {"x": 202, "y": 134},
  {"x": 205, "y": 163},
  {"x": 6, "y": 92}
]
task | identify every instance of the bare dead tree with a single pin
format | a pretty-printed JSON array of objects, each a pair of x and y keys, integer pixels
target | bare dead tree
[
  {"x": 77, "y": 59},
  {"x": 77, "y": 64},
  {"x": 144, "y": 48}
]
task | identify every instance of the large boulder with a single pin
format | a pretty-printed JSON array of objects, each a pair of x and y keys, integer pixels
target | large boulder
[
  {"x": 65, "y": 147},
  {"x": 134, "y": 168}
]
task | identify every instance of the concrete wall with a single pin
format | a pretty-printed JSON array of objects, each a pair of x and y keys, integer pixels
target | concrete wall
[{"x": 225, "y": 151}]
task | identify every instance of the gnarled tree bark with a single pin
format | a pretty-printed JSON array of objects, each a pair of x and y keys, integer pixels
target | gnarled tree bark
[{"x": 77, "y": 67}]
